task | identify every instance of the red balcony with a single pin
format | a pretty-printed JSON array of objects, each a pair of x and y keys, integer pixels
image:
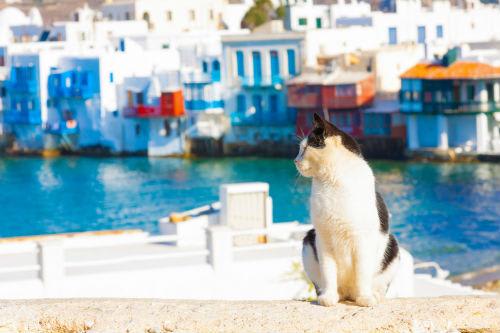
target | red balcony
[{"x": 171, "y": 105}]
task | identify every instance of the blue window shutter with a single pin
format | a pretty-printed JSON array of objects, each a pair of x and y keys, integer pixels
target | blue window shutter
[
  {"x": 275, "y": 67},
  {"x": 257, "y": 67},
  {"x": 291, "y": 61},
  {"x": 240, "y": 63}
]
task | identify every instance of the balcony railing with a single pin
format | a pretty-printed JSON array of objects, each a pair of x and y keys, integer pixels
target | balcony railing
[
  {"x": 63, "y": 127},
  {"x": 151, "y": 111},
  {"x": 26, "y": 87},
  {"x": 200, "y": 105},
  {"x": 264, "y": 119},
  {"x": 11, "y": 116},
  {"x": 449, "y": 107},
  {"x": 262, "y": 82}
]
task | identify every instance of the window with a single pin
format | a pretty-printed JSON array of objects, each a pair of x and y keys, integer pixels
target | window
[
  {"x": 127, "y": 16},
  {"x": 421, "y": 34},
  {"x": 166, "y": 128},
  {"x": 216, "y": 71},
  {"x": 490, "y": 91},
  {"x": 211, "y": 14},
  {"x": 2, "y": 60},
  {"x": 137, "y": 129},
  {"x": 292, "y": 70},
  {"x": 241, "y": 104},
  {"x": 471, "y": 92},
  {"x": 192, "y": 15},
  {"x": 318, "y": 23},
  {"x": 30, "y": 105},
  {"x": 427, "y": 97},
  {"x": 140, "y": 98},
  {"x": 3, "y": 92},
  {"x": 204, "y": 66},
  {"x": 169, "y": 15},
  {"x": 111, "y": 77},
  {"x": 240, "y": 63},
  {"x": 76, "y": 17},
  {"x": 302, "y": 21},
  {"x": 416, "y": 96},
  {"x": 393, "y": 36},
  {"x": 439, "y": 31}
]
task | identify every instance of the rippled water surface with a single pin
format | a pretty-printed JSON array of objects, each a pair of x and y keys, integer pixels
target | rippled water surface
[{"x": 449, "y": 213}]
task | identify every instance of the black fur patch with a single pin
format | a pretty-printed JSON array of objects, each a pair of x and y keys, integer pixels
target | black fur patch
[
  {"x": 310, "y": 239},
  {"x": 383, "y": 213},
  {"x": 323, "y": 129},
  {"x": 391, "y": 252}
]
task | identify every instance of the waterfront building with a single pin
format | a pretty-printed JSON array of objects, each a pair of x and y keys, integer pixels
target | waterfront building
[
  {"x": 26, "y": 109},
  {"x": 255, "y": 70},
  {"x": 452, "y": 104},
  {"x": 339, "y": 96},
  {"x": 154, "y": 115}
]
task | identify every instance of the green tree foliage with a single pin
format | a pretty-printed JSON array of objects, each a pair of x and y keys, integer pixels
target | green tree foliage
[{"x": 261, "y": 12}]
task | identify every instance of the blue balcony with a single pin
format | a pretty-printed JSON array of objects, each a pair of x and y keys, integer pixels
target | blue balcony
[
  {"x": 200, "y": 105},
  {"x": 67, "y": 127},
  {"x": 264, "y": 118},
  {"x": 71, "y": 84},
  {"x": 23, "y": 79},
  {"x": 26, "y": 117},
  {"x": 262, "y": 82}
]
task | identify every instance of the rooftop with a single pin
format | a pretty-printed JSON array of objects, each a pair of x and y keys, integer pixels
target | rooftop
[{"x": 457, "y": 70}]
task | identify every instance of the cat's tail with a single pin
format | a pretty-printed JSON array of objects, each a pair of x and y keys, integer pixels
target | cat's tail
[{"x": 310, "y": 260}]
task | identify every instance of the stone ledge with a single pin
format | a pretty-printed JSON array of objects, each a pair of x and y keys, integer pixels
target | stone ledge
[{"x": 444, "y": 314}]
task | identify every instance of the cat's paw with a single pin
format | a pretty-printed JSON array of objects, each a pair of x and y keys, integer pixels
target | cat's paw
[
  {"x": 366, "y": 300},
  {"x": 328, "y": 299}
]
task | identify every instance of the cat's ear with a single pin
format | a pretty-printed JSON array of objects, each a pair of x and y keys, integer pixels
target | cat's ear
[
  {"x": 347, "y": 141},
  {"x": 318, "y": 121}
]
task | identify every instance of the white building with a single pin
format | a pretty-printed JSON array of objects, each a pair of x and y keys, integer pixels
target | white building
[
  {"x": 347, "y": 27},
  {"x": 167, "y": 16}
]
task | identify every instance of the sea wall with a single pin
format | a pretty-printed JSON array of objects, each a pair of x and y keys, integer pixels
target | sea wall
[{"x": 445, "y": 314}]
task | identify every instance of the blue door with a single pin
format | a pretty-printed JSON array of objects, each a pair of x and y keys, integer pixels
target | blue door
[
  {"x": 257, "y": 67},
  {"x": 275, "y": 67},
  {"x": 291, "y": 62},
  {"x": 421, "y": 34},
  {"x": 393, "y": 36},
  {"x": 240, "y": 64},
  {"x": 257, "y": 104}
]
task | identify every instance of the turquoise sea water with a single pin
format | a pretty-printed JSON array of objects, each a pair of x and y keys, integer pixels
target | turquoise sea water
[{"x": 449, "y": 213}]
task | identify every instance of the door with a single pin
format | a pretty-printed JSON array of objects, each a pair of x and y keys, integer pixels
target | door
[{"x": 257, "y": 104}]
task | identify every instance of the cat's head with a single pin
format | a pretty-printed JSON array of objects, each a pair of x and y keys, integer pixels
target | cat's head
[{"x": 325, "y": 144}]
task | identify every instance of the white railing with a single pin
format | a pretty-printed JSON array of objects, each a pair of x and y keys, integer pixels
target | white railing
[{"x": 52, "y": 262}]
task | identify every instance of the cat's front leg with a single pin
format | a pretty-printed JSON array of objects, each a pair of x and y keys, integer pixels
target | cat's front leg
[
  {"x": 329, "y": 295},
  {"x": 363, "y": 271}
]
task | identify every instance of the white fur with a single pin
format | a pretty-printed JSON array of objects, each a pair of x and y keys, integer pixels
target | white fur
[{"x": 349, "y": 242}]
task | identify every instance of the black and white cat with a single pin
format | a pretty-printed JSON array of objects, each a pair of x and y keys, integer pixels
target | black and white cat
[{"x": 350, "y": 254}]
